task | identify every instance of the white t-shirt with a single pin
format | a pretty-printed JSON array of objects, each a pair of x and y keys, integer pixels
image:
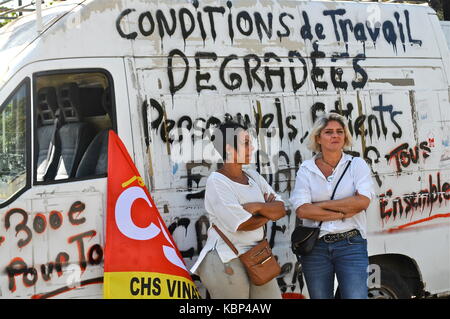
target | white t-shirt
[
  {"x": 223, "y": 202},
  {"x": 311, "y": 186}
]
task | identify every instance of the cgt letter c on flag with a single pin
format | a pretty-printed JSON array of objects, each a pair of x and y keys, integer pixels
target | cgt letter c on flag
[{"x": 123, "y": 215}]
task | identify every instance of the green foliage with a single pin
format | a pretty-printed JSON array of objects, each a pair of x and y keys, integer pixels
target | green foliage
[
  {"x": 12, "y": 137},
  {"x": 437, "y": 5},
  {"x": 5, "y": 21}
]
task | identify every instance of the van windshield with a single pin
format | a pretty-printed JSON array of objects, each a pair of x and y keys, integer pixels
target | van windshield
[{"x": 13, "y": 143}]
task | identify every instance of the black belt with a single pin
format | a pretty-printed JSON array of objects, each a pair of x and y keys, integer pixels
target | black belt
[{"x": 332, "y": 238}]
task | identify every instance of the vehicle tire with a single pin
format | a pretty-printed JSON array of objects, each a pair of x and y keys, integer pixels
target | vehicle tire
[{"x": 392, "y": 286}]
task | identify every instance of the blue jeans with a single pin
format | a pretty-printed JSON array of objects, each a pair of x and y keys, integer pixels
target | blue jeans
[{"x": 347, "y": 258}]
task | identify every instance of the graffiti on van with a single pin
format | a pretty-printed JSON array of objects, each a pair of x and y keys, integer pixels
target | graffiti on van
[
  {"x": 436, "y": 193},
  {"x": 276, "y": 70},
  {"x": 73, "y": 255},
  {"x": 183, "y": 22},
  {"x": 292, "y": 70},
  {"x": 404, "y": 155},
  {"x": 252, "y": 65},
  {"x": 271, "y": 65}
]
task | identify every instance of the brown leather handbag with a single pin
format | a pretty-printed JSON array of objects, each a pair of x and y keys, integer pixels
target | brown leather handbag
[{"x": 259, "y": 261}]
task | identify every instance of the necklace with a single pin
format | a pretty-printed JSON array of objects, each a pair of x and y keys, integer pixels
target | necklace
[
  {"x": 332, "y": 167},
  {"x": 242, "y": 178}
]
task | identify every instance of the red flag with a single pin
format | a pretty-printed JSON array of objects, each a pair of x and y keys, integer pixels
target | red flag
[{"x": 141, "y": 258}]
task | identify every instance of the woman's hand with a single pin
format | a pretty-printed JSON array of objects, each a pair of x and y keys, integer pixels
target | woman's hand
[
  {"x": 269, "y": 197},
  {"x": 253, "y": 208}
]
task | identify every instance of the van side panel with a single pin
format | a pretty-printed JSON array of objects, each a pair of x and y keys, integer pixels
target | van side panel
[
  {"x": 183, "y": 67},
  {"x": 386, "y": 76}
]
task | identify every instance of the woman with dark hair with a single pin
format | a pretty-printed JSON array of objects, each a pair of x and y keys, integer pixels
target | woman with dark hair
[{"x": 240, "y": 203}]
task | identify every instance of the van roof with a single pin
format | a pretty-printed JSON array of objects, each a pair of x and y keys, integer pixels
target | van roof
[{"x": 17, "y": 35}]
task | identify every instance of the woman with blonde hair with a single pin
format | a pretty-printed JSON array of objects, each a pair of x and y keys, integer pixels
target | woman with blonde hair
[{"x": 341, "y": 249}]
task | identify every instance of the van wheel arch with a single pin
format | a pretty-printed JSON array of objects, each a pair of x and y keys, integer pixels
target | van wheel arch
[{"x": 404, "y": 269}]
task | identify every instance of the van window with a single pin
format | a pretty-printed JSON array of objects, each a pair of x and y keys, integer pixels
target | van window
[
  {"x": 74, "y": 112},
  {"x": 13, "y": 165}
]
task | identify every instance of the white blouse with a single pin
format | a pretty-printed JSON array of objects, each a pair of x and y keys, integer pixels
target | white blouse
[
  {"x": 223, "y": 202},
  {"x": 311, "y": 186}
]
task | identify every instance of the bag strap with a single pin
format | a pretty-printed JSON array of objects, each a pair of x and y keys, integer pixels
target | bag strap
[
  {"x": 226, "y": 240},
  {"x": 335, "y": 187},
  {"x": 345, "y": 170},
  {"x": 260, "y": 188}
]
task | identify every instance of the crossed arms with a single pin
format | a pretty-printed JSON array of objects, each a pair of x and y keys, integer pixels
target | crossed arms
[
  {"x": 321, "y": 211},
  {"x": 262, "y": 212},
  {"x": 330, "y": 210}
]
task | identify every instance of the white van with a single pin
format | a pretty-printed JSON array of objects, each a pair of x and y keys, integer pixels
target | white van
[
  {"x": 445, "y": 25},
  {"x": 152, "y": 70}
]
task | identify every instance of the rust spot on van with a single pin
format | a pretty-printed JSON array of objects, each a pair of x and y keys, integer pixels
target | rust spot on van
[
  {"x": 412, "y": 102},
  {"x": 395, "y": 82}
]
